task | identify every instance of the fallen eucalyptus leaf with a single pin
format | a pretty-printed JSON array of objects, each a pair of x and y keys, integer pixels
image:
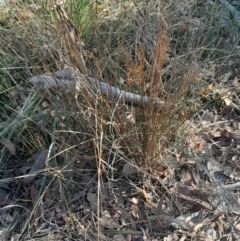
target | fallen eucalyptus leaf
[
  {"x": 92, "y": 198},
  {"x": 128, "y": 169},
  {"x": 107, "y": 221}
]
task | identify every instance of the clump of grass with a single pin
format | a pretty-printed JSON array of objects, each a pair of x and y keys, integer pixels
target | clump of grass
[{"x": 141, "y": 50}]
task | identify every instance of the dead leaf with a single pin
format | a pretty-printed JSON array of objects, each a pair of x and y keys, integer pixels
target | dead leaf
[
  {"x": 129, "y": 169},
  {"x": 125, "y": 216},
  {"x": 38, "y": 165},
  {"x": 117, "y": 214},
  {"x": 238, "y": 226},
  {"x": 215, "y": 133},
  {"x": 228, "y": 100},
  {"x": 147, "y": 198},
  {"x": 226, "y": 95},
  {"x": 207, "y": 118},
  {"x": 205, "y": 90},
  {"x": 66, "y": 219},
  {"x": 107, "y": 221},
  {"x": 233, "y": 135},
  {"x": 9, "y": 145},
  {"x": 201, "y": 146},
  {"x": 134, "y": 201},
  {"x": 182, "y": 188},
  {"x": 186, "y": 221},
  {"x": 214, "y": 166},
  {"x": 192, "y": 219},
  {"x": 92, "y": 198},
  {"x": 134, "y": 207}
]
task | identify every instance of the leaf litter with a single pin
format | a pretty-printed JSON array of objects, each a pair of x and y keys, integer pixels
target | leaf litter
[{"x": 203, "y": 194}]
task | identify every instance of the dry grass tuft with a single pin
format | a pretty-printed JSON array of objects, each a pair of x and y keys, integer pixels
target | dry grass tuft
[{"x": 144, "y": 50}]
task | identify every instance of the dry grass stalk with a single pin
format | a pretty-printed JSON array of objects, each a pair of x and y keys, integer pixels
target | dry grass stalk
[
  {"x": 70, "y": 39},
  {"x": 157, "y": 62}
]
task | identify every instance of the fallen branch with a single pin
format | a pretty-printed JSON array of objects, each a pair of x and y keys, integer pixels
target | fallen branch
[{"x": 76, "y": 81}]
